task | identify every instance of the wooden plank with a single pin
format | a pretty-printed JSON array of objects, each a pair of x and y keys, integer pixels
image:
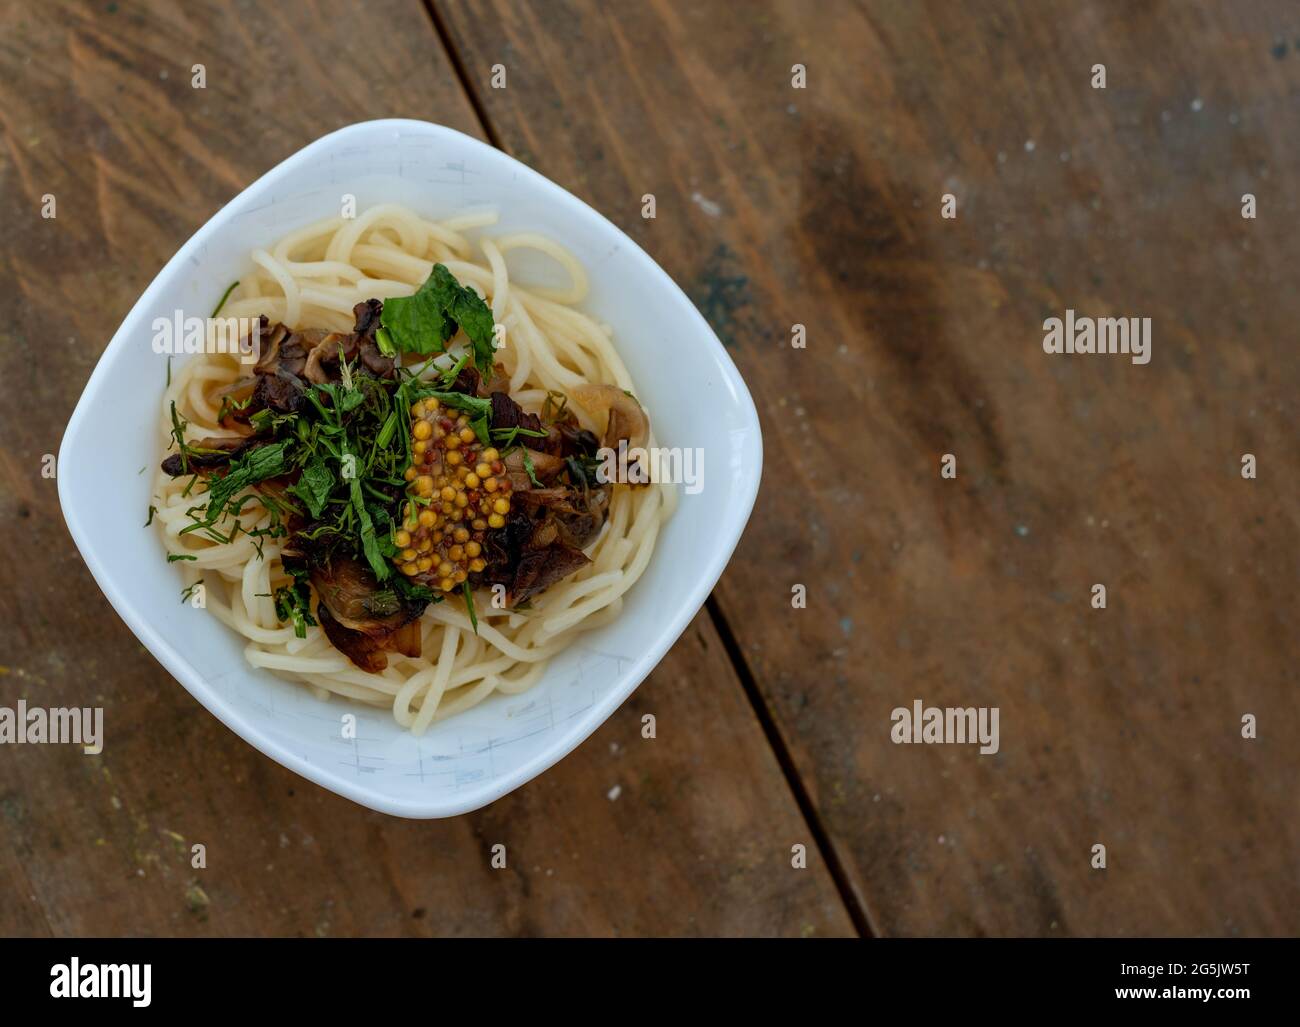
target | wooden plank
[
  {"x": 98, "y": 110},
  {"x": 822, "y": 206}
]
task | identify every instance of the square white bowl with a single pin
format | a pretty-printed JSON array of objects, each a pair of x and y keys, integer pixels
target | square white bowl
[{"x": 683, "y": 375}]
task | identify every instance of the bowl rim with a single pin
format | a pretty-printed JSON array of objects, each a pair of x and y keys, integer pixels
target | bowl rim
[{"x": 197, "y": 685}]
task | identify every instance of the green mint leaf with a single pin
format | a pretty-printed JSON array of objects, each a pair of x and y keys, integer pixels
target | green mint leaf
[
  {"x": 419, "y": 323},
  {"x": 425, "y": 322}
]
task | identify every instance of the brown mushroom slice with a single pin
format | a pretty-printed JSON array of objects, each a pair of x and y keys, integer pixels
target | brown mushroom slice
[
  {"x": 211, "y": 451},
  {"x": 367, "y": 316},
  {"x": 268, "y": 343},
  {"x": 568, "y": 439},
  {"x": 619, "y": 412},
  {"x": 295, "y": 349},
  {"x": 280, "y": 392},
  {"x": 348, "y": 587},
  {"x": 238, "y": 409},
  {"x": 545, "y": 466},
  {"x": 324, "y": 357},
  {"x": 361, "y": 619},
  {"x": 558, "y": 498},
  {"x": 540, "y": 568},
  {"x": 496, "y": 381},
  {"x": 578, "y": 514},
  {"x": 238, "y": 390},
  {"x": 322, "y": 360},
  {"x": 408, "y": 639},
  {"x": 365, "y": 652},
  {"x": 580, "y": 528},
  {"x": 507, "y": 414}
]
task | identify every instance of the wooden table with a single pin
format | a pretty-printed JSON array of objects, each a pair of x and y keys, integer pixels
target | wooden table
[{"x": 820, "y": 206}]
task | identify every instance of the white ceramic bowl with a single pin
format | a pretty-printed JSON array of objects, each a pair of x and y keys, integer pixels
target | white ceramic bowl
[{"x": 684, "y": 376}]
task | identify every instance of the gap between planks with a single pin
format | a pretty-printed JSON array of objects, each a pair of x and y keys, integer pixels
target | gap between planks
[
  {"x": 466, "y": 83},
  {"x": 853, "y": 905}
]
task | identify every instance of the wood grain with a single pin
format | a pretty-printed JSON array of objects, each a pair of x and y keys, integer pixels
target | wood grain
[
  {"x": 97, "y": 108},
  {"x": 822, "y": 206}
]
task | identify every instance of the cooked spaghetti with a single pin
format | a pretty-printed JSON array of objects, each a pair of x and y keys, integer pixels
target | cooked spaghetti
[{"x": 251, "y": 557}]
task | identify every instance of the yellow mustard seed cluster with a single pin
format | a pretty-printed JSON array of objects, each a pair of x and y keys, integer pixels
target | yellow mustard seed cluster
[{"x": 458, "y": 490}]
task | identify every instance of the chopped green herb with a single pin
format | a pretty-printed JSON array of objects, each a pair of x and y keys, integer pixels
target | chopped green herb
[
  {"x": 385, "y": 435},
  {"x": 293, "y": 604},
  {"x": 224, "y": 296},
  {"x": 528, "y": 466},
  {"x": 480, "y": 428},
  {"x": 449, "y": 376},
  {"x": 582, "y": 470},
  {"x": 315, "y": 485},
  {"x": 415, "y": 592},
  {"x": 267, "y": 420},
  {"x": 178, "y": 436},
  {"x": 230, "y": 406},
  {"x": 469, "y": 604},
  {"x": 369, "y": 541},
  {"x": 152, "y": 510},
  {"x": 257, "y": 465},
  {"x": 475, "y": 405},
  {"x": 506, "y": 437},
  {"x": 173, "y": 557},
  {"x": 254, "y": 466},
  {"x": 553, "y": 408}
]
